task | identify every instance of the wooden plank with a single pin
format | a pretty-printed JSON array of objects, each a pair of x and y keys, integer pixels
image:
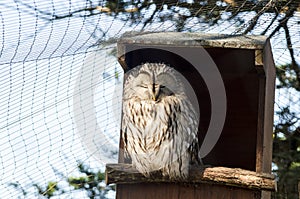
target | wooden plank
[
  {"x": 260, "y": 119},
  {"x": 194, "y": 40},
  {"x": 126, "y": 174},
  {"x": 183, "y": 191},
  {"x": 269, "y": 68}
]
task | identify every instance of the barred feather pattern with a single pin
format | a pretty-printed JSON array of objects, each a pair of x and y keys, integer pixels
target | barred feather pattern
[{"x": 159, "y": 135}]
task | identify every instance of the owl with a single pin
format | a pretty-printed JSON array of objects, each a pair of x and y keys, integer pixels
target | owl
[{"x": 159, "y": 125}]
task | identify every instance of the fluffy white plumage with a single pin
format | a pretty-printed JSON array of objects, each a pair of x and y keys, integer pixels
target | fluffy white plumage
[{"x": 159, "y": 126}]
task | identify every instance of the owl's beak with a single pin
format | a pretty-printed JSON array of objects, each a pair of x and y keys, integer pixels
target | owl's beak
[
  {"x": 154, "y": 97},
  {"x": 154, "y": 91}
]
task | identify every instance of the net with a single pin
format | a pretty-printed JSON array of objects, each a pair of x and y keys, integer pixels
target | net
[{"x": 61, "y": 84}]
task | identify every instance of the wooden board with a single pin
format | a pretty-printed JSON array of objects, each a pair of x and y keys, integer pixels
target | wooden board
[
  {"x": 234, "y": 177},
  {"x": 171, "y": 191}
]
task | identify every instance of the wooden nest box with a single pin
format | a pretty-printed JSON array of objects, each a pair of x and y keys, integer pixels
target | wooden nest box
[{"x": 242, "y": 156}]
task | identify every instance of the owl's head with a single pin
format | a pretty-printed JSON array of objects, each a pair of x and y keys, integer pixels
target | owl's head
[{"x": 152, "y": 81}]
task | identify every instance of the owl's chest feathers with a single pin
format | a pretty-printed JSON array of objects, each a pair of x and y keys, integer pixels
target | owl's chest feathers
[{"x": 154, "y": 122}]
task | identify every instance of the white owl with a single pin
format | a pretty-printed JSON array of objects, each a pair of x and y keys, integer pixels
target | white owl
[{"x": 159, "y": 126}]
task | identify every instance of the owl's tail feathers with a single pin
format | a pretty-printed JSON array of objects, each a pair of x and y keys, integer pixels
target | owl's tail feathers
[
  {"x": 195, "y": 152},
  {"x": 198, "y": 160}
]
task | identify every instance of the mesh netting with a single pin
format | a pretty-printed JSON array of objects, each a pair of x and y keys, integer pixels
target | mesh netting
[{"x": 61, "y": 84}]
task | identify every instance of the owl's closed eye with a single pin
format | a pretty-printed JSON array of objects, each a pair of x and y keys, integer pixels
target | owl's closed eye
[{"x": 153, "y": 86}]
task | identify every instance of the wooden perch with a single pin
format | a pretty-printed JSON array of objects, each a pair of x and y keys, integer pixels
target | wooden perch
[{"x": 126, "y": 174}]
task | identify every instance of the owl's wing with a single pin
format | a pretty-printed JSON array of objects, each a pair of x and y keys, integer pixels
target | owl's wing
[
  {"x": 189, "y": 120},
  {"x": 126, "y": 156},
  {"x": 194, "y": 150}
]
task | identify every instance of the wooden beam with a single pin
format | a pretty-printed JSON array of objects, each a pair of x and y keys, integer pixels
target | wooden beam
[{"x": 126, "y": 174}]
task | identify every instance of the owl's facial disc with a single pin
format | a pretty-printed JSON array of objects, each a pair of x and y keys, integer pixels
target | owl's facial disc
[{"x": 149, "y": 86}]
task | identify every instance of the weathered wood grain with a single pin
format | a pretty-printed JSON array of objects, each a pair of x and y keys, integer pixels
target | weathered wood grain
[{"x": 126, "y": 174}]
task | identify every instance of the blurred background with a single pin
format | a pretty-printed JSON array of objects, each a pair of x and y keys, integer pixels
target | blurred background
[{"x": 61, "y": 85}]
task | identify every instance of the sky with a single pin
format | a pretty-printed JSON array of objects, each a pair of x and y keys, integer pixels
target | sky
[{"x": 60, "y": 99}]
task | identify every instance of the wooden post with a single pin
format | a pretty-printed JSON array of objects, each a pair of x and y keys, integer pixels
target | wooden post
[
  {"x": 299, "y": 189},
  {"x": 241, "y": 159}
]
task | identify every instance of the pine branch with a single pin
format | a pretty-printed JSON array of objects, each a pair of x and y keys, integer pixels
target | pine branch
[{"x": 294, "y": 66}]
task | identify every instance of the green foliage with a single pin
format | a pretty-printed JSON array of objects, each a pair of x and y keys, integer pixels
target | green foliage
[
  {"x": 50, "y": 189},
  {"x": 210, "y": 12},
  {"x": 287, "y": 77},
  {"x": 91, "y": 182},
  {"x": 286, "y": 154}
]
